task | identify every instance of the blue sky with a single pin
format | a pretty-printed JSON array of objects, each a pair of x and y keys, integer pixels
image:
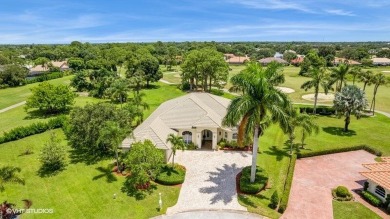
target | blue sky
[{"x": 52, "y": 21}]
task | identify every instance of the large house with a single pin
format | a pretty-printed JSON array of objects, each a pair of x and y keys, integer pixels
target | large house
[
  {"x": 378, "y": 178},
  {"x": 268, "y": 60},
  {"x": 338, "y": 61},
  {"x": 39, "y": 69},
  {"x": 380, "y": 61},
  {"x": 233, "y": 59},
  {"x": 197, "y": 117}
]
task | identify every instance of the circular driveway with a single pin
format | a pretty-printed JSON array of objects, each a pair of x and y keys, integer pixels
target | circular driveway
[{"x": 210, "y": 182}]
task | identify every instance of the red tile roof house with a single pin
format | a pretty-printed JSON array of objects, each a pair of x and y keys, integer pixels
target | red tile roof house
[
  {"x": 297, "y": 61},
  {"x": 378, "y": 177},
  {"x": 232, "y": 59}
]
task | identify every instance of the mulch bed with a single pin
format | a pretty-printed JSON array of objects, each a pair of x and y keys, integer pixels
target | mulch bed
[{"x": 238, "y": 149}]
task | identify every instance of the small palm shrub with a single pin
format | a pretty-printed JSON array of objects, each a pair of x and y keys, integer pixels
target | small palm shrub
[{"x": 274, "y": 200}]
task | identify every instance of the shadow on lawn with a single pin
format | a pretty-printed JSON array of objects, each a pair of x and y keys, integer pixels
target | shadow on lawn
[
  {"x": 152, "y": 87},
  {"x": 37, "y": 114},
  {"x": 85, "y": 156},
  {"x": 278, "y": 153},
  {"x": 338, "y": 131},
  {"x": 221, "y": 189},
  {"x": 107, "y": 173},
  {"x": 45, "y": 171}
]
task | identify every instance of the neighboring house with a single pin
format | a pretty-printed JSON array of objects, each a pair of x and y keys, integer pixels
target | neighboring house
[
  {"x": 380, "y": 61},
  {"x": 197, "y": 117},
  {"x": 232, "y": 59},
  {"x": 378, "y": 178},
  {"x": 36, "y": 70},
  {"x": 268, "y": 60},
  {"x": 278, "y": 55},
  {"x": 338, "y": 61},
  {"x": 297, "y": 61}
]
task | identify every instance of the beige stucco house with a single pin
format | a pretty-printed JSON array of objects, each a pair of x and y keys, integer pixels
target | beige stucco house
[
  {"x": 378, "y": 177},
  {"x": 197, "y": 117}
]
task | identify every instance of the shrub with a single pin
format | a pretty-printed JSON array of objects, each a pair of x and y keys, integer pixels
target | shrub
[
  {"x": 287, "y": 186},
  {"x": 367, "y": 148},
  {"x": 35, "y": 128},
  {"x": 191, "y": 146},
  {"x": 52, "y": 156},
  {"x": 371, "y": 198},
  {"x": 274, "y": 200},
  {"x": 341, "y": 193},
  {"x": 45, "y": 77},
  {"x": 171, "y": 175},
  {"x": 322, "y": 110},
  {"x": 185, "y": 86},
  {"x": 260, "y": 181},
  {"x": 217, "y": 92},
  {"x": 366, "y": 184}
]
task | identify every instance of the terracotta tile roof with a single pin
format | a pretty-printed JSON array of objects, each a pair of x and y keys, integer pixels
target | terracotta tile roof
[
  {"x": 382, "y": 178},
  {"x": 238, "y": 59},
  {"x": 381, "y": 166},
  {"x": 298, "y": 60},
  {"x": 385, "y": 159},
  {"x": 343, "y": 60}
]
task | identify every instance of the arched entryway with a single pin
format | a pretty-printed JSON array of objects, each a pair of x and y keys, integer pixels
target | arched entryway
[{"x": 207, "y": 139}]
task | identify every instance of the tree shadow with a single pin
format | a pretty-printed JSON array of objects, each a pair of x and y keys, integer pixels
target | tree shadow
[
  {"x": 107, "y": 173},
  {"x": 338, "y": 131},
  {"x": 224, "y": 188},
  {"x": 278, "y": 153},
  {"x": 152, "y": 87},
  {"x": 85, "y": 156},
  {"x": 45, "y": 171},
  {"x": 295, "y": 147},
  {"x": 38, "y": 114},
  {"x": 245, "y": 199},
  {"x": 138, "y": 194}
]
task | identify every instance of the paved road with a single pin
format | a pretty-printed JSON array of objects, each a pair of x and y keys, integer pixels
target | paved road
[
  {"x": 13, "y": 106},
  {"x": 210, "y": 180},
  {"x": 315, "y": 177}
]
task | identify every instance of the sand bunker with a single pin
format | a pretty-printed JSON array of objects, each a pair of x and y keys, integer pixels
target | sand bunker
[
  {"x": 386, "y": 71},
  {"x": 286, "y": 90},
  {"x": 177, "y": 76},
  {"x": 321, "y": 97}
]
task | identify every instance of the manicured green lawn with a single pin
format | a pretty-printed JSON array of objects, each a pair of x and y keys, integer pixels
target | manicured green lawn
[
  {"x": 14, "y": 95},
  {"x": 352, "y": 210},
  {"x": 80, "y": 191}
]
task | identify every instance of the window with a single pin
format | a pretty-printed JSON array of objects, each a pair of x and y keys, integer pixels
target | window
[
  {"x": 187, "y": 137},
  {"x": 380, "y": 191},
  {"x": 234, "y": 136},
  {"x": 226, "y": 135}
]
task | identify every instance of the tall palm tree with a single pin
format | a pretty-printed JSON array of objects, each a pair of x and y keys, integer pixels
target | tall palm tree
[
  {"x": 355, "y": 72},
  {"x": 260, "y": 104},
  {"x": 136, "y": 105},
  {"x": 305, "y": 122},
  {"x": 111, "y": 136},
  {"x": 338, "y": 76},
  {"x": 319, "y": 78},
  {"x": 8, "y": 175},
  {"x": 366, "y": 78},
  {"x": 377, "y": 80},
  {"x": 351, "y": 100},
  {"x": 118, "y": 90},
  {"x": 177, "y": 143}
]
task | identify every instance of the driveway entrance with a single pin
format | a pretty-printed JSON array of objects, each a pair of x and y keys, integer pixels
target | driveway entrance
[{"x": 210, "y": 182}]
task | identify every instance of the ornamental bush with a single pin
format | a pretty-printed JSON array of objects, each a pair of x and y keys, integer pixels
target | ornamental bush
[
  {"x": 274, "y": 200},
  {"x": 371, "y": 198},
  {"x": 171, "y": 175},
  {"x": 341, "y": 193}
]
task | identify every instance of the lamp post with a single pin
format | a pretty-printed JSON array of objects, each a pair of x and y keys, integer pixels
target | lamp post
[{"x": 160, "y": 201}]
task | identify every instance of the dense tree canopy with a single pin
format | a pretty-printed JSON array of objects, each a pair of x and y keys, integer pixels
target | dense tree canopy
[{"x": 13, "y": 75}]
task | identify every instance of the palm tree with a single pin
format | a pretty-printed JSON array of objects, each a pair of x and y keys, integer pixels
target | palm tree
[
  {"x": 377, "y": 80},
  {"x": 338, "y": 76},
  {"x": 305, "y": 121},
  {"x": 351, "y": 100},
  {"x": 118, "y": 90},
  {"x": 355, "y": 72},
  {"x": 319, "y": 79},
  {"x": 136, "y": 106},
  {"x": 366, "y": 78},
  {"x": 8, "y": 175},
  {"x": 177, "y": 143},
  {"x": 111, "y": 135},
  {"x": 260, "y": 104}
]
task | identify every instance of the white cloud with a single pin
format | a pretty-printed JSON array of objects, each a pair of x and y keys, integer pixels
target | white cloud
[
  {"x": 273, "y": 5},
  {"x": 339, "y": 12}
]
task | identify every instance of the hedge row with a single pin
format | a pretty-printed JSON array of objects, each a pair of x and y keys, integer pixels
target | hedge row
[
  {"x": 35, "y": 128},
  {"x": 45, "y": 77},
  {"x": 287, "y": 186},
  {"x": 368, "y": 196},
  {"x": 322, "y": 110},
  {"x": 367, "y": 148}
]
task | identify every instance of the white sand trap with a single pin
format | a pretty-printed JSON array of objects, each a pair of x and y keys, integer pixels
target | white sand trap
[
  {"x": 177, "y": 76},
  {"x": 321, "y": 97},
  {"x": 286, "y": 90},
  {"x": 386, "y": 71}
]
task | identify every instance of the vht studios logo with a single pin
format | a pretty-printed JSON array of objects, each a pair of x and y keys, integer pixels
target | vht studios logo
[{"x": 30, "y": 211}]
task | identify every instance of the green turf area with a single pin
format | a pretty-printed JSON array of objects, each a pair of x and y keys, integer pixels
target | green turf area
[
  {"x": 14, "y": 95},
  {"x": 80, "y": 191},
  {"x": 352, "y": 210}
]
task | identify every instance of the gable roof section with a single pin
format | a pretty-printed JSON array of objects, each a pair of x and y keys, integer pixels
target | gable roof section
[
  {"x": 192, "y": 110},
  {"x": 379, "y": 173}
]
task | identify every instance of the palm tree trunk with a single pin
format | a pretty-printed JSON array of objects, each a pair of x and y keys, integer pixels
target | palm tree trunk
[
  {"x": 315, "y": 101},
  {"x": 117, "y": 161},
  {"x": 254, "y": 153},
  {"x": 347, "y": 121},
  {"x": 364, "y": 87},
  {"x": 291, "y": 144},
  {"x": 373, "y": 100}
]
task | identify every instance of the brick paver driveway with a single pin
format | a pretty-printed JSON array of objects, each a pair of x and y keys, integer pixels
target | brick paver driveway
[
  {"x": 210, "y": 180},
  {"x": 314, "y": 178}
]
